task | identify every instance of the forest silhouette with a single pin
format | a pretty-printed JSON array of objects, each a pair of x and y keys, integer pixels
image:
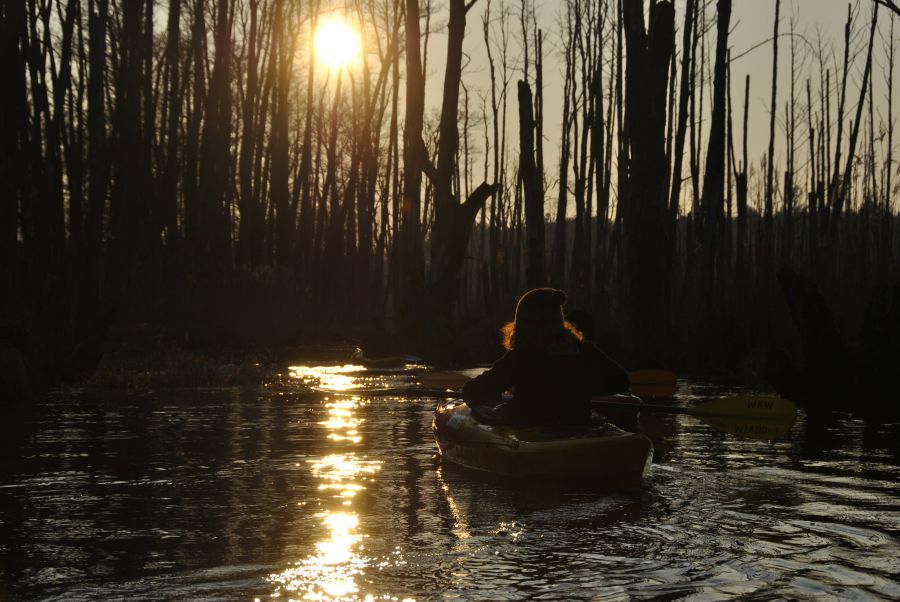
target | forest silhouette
[{"x": 188, "y": 174}]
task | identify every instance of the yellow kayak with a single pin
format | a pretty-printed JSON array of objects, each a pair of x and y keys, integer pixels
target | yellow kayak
[{"x": 603, "y": 455}]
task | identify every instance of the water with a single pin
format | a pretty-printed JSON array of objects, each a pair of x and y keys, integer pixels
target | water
[{"x": 280, "y": 492}]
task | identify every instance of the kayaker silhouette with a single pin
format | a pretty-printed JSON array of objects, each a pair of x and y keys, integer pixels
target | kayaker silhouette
[{"x": 548, "y": 374}]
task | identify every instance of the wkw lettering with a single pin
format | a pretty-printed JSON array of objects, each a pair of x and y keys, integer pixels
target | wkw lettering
[{"x": 760, "y": 404}]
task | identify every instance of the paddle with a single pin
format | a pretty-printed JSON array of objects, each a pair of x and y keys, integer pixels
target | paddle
[
  {"x": 753, "y": 417},
  {"x": 444, "y": 380},
  {"x": 650, "y": 384},
  {"x": 739, "y": 406}
]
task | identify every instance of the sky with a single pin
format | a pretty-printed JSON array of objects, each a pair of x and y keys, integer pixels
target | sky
[{"x": 752, "y": 24}]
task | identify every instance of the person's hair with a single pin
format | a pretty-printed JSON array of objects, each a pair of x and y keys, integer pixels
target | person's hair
[
  {"x": 582, "y": 321},
  {"x": 538, "y": 335}
]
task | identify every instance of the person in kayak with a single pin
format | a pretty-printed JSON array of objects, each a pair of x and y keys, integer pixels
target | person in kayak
[{"x": 548, "y": 374}]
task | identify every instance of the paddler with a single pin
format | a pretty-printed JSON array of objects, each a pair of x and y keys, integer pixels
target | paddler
[{"x": 548, "y": 373}]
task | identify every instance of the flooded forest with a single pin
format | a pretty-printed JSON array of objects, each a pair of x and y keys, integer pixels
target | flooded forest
[
  {"x": 194, "y": 173},
  {"x": 256, "y": 255}
]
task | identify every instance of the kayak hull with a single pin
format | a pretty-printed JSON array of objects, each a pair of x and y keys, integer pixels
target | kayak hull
[
  {"x": 385, "y": 362},
  {"x": 394, "y": 361},
  {"x": 603, "y": 456}
]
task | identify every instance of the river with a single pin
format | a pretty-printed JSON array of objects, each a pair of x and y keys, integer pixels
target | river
[{"x": 284, "y": 493}]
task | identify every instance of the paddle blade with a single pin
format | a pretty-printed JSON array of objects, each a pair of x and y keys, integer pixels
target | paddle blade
[
  {"x": 413, "y": 392},
  {"x": 747, "y": 406},
  {"x": 653, "y": 384},
  {"x": 761, "y": 429},
  {"x": 443, "y": 380}
]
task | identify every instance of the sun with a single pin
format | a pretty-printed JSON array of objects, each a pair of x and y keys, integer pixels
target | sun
[{"x": 337, "y": 42}]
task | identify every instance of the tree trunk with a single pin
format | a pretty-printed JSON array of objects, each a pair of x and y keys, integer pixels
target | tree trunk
[
  {"x": 13, "y": 145},
  {"x": 529, "y": 173},
  {"x": 279, "y": 191},
  {"x": 713, "y": 199},
  {"x": 648, "y": 232},
  {"x": 452, "y": 220},
  {"x": 192, "y": 201},
  {"x": 770, "y": 156},
  {"x": 854, "y": 134},
  {"x": 215, "y": 153},
  {"x": 130, "y": 201},
  {"x": 684, "y": 95},
  {"x": 98, "y": 160},
  {"x": 412, "y": 261},
  {"x": 250, "y": 233}
]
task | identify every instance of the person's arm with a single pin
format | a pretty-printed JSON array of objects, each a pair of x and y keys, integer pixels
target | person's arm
[
  {"x": 610, "y": 378},
  {"x": 490, "y": 385}
]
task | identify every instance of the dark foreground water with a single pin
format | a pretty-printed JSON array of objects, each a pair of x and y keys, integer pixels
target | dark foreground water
[{"x": 282, "y": 493}]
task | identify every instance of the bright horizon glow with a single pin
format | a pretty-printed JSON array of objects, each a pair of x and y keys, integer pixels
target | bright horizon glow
[{"x": 337, "y": 42}]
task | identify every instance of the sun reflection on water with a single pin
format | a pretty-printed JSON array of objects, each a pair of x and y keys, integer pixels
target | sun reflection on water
[
  {"x": 341, "y": 421},
  {"x": 330, "y": 572},
  {"x": 330, "y": 378}
]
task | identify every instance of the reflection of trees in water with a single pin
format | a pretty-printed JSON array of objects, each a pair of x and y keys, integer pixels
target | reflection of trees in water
[{"x": 119, "y": 488}]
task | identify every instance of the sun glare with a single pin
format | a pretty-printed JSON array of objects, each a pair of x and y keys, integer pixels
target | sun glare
[{"x": 337, "y": 42}]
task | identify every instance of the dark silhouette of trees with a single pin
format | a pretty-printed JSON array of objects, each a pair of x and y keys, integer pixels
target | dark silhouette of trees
[{"x": 194, "y": 165}]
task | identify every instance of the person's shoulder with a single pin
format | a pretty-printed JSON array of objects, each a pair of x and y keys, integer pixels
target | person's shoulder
[
  {"x": 510, "y": 356},
  {"x": 589, "y": 348}
]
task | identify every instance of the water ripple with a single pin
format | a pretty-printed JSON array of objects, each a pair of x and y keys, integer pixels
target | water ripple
[{"x": 248, "y": 493}]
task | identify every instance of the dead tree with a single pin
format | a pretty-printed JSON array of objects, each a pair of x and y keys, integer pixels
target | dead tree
[
  {"x": 13, "y": 145},
  {"x": 411, "y": 264},
  {"x": 130, "y": 194},
  {"x": 97, "y": 148},
  {"x": 684, "y": 94},
  {"x": 770, "y": 155},
  {"x": 167, "y": 214},
  {"x": 215, "y": 152},
  {"x": 558, "y": 260},
  {"x": 741, "y": 186},
  {"x": 250, "y": 233},
  {"x": 453, "y": 219},
  {"x": 834, "y": 184},
  {"x": 713, "y": 200},
  {"x": 279, "y": 191},
  {"x": 648, "y": 230},
  {"x": 841, "y": 197},
  {"x": 529, "y": 175}
]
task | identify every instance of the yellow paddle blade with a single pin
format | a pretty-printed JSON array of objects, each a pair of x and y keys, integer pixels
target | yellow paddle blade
[
  {"x": 762, "y": 429},
  {"x": 747, "y": 406},
  {"x": 652, "y": 384}
]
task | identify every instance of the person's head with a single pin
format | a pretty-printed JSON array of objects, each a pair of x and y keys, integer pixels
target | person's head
[{"x": 539, "y": 321}]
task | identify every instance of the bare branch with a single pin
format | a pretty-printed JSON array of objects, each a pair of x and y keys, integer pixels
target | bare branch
[{"x": 890, "y": 5}]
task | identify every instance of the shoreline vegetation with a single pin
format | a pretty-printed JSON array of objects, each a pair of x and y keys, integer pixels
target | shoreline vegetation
[{"x": 181, "y": 179}]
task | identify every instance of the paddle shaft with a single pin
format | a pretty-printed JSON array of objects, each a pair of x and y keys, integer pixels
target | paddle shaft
[
  {"x": 446, "y": 393},
  {"x": 735, "y": 407},
  {"x": 649, "y": 384},
  {"x": 642, "y": 407}
]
